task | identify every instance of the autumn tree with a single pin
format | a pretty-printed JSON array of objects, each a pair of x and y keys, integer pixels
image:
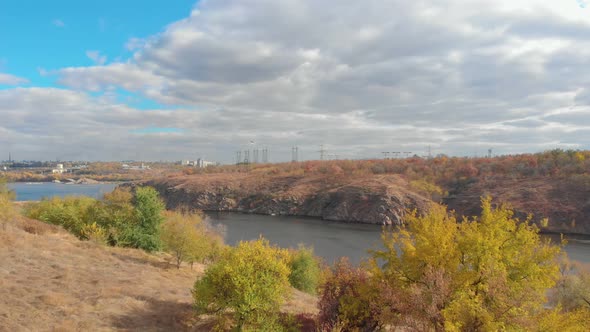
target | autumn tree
[
  {"x": 346, "y": 302},
  {"x": 573, "y": 288},
  {"x": 6, "y": 208},
  {"x": 485, "y": 273},
  {"x": 249, "y": 281},
  {"x": 186, "y": 237},
  {"x": 115, "y": 213}
]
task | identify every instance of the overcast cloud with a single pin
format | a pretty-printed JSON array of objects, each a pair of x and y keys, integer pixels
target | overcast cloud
[{"x": 359, "y": 77}]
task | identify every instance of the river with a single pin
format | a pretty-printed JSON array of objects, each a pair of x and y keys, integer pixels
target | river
[
  {"x": 36, "y": 191},
  {"x": 330, "y": 240}
]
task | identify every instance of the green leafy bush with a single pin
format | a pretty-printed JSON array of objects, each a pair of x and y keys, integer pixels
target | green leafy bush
[
  {"x": 305, "y": 270},
  {"x": 249, "y": 281},
  {"x": 121, "y": 218},
  {"x": 71, "y": 212},
  {"x": 145, "y": 233}
]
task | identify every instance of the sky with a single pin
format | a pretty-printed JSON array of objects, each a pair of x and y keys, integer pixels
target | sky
[{"x": 181, "y": 80}]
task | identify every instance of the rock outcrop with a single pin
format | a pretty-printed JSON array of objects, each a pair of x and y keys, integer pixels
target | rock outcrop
[{"x": 382, "y": 200}]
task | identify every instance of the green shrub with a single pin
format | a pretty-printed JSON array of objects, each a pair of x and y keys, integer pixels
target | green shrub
[
  {"x": 71, "y": 212},
  {"x": 145, "y": 233},
  {"x": 119, "y": 219},
  {"x": 305, "y": 270},
  {"x": 114, "y": 214},
  {"x": 249, "y": 281}
]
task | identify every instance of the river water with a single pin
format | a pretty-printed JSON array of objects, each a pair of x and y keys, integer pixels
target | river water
[
  {"x": 330, "y": 240},
  {"x": 36, "y": 191}
]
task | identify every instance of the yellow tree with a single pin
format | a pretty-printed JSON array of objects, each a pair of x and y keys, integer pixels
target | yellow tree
[
  {"x": 187, "y": 238},
  {"x": 486, "y": 273},
  {"x": 249, "y": 281},
  {"x": 6, "y": 208}
]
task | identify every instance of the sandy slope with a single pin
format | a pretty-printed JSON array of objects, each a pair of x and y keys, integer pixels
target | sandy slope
[{"x": 51, "y": 281}]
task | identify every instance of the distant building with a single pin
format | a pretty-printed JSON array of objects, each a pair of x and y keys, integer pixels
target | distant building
[
  {"x": 203, "y": 163},
  {"x": 59, "y": 169},
  {"x": 135, "y": 168}
]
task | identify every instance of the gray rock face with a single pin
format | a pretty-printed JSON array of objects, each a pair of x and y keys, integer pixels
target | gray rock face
[{"x": 342, "y": 204}]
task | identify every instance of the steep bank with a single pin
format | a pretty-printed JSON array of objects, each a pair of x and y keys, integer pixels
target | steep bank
[
  {"x": 565, "y": 202},
  {"x": 381, "y": 199},
  {"x": 378, "y": 198}
]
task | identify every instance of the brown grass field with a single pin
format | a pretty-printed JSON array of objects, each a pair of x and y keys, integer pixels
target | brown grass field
[{"x": 51, "y": 281}]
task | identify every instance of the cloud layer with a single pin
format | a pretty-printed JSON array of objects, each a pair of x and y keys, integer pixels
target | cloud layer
[{"x": 359, "y": 77}]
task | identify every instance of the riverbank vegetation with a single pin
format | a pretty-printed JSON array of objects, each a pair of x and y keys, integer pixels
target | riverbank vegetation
[
  {"x": 436, "y": 273},
  {"x": 130, "y": 219},
  {"x": 553, "y": 185}
]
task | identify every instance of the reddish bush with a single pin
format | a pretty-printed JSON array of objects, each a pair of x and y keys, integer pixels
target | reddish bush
[{"x": 345, "y": 301}]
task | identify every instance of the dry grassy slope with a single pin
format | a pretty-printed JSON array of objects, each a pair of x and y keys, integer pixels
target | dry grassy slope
[
  {"x": 380, "y": 199},
  {"x": 560, "y": 200},
  {"x": 51, "y": 281}
]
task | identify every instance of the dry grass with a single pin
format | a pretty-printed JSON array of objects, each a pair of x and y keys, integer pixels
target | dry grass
[{"x": 51, "y": 281}]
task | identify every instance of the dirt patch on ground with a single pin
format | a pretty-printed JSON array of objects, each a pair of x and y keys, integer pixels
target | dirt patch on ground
[{"x": 51, "y": 281}]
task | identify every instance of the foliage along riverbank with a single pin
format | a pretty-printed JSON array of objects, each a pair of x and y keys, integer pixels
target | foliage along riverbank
[
  {"x": 488, "y": 273},
  {"x": 553, "y": 185}
]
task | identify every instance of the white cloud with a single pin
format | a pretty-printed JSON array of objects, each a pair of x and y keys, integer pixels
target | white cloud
[
  {"x": 8, "y": 79},
  {"x": 96, "y": 57},
  {"x": 357, "y": 76}
]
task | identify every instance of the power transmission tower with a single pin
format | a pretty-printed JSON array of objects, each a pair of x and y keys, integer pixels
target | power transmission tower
[
  {"x": 407, "y": 154},
  {"x": 265, "y": 155},
  {"x": 395, "y": 154},
  {"x": 255, "y": 152},
  {"x": 295, "y": 154},
  {"x": 247, "y": 157},
  {"x": 385, "y": 155},
  {"x": 490, "y": 153},
  {"x": 238, "y": 157},
  {"x": 322, "y": 152}
]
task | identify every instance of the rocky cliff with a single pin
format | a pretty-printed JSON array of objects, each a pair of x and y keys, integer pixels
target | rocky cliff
[
  {"x": 377, "y": 198},
  {"x": 381, "y": 200}
]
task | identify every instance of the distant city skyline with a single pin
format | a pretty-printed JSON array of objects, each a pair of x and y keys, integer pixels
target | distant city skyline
[{"x": 156, "y": 80}]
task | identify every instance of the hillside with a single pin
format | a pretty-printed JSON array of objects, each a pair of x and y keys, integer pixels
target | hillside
[
  {"x": 564, "y": 202},
  {"x": 553, "y": 185},
  {"x": 379, "y": 199},
  {"x": 51, "y": 281}
]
